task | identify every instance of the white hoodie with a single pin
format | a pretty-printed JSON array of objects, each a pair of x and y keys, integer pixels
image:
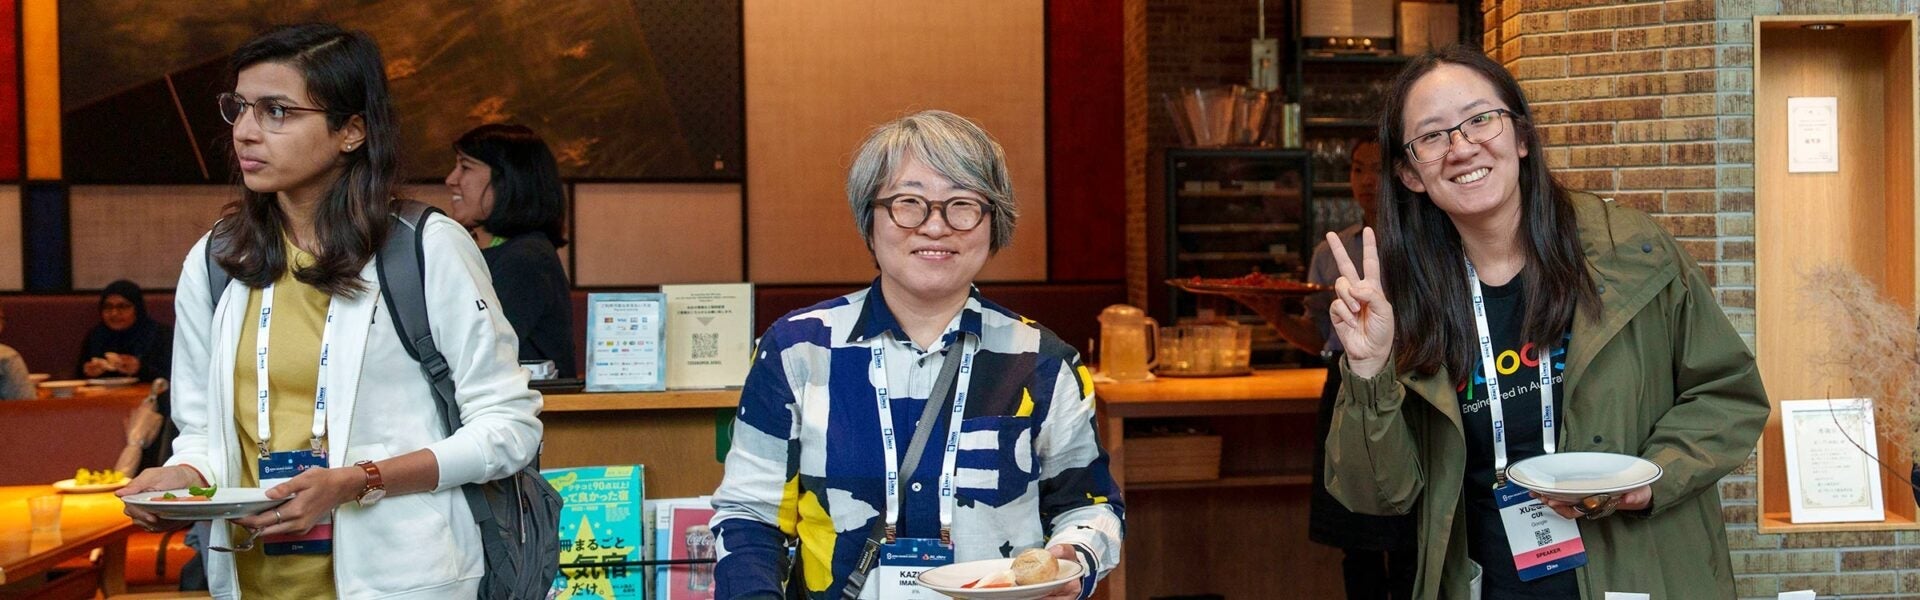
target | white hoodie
[{"x": 421, "y": 545}]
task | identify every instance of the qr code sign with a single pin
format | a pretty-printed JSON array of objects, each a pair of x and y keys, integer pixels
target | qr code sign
[
  {"x": 1542, "y": 538},
  {"x": 706, "y": 345}
]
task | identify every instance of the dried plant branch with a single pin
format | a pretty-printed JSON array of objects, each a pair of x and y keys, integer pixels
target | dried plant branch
[{"x": 1874, "y": 345}]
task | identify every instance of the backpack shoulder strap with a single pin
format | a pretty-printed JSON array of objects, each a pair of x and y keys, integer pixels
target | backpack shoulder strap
[
  {"x": 217, "y": 277},
  {"x": 403, "y": 279}
]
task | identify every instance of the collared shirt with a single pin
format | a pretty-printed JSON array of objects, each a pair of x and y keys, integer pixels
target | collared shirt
[{"x": 807, "y": 463}]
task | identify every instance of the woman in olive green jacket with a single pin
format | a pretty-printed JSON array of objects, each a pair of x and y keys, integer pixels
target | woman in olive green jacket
[{"x": 1649, "y": 364}]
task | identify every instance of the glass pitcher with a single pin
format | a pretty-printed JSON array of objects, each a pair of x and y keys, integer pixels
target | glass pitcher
[{"x": 1128, "y": 343}]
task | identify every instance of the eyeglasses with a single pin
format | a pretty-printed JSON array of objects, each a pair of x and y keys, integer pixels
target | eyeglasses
[
  {"x": 910, "y": 211},
  {"x": 269, "y": 114},
  {"x": 1478, "y": 129}
]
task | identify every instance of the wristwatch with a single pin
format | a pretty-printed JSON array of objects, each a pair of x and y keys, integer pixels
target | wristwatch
[{"x": 376, "y": 486}]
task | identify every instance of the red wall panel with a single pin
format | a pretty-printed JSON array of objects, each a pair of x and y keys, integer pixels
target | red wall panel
[{"x": 1086, "y": 195}]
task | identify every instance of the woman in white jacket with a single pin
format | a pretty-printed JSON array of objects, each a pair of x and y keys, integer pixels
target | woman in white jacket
[{"x": 333, "y": 413}]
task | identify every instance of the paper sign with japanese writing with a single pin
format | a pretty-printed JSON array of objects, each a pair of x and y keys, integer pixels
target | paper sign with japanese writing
[
  {"x": 625, "y": 339},
  {"x": 709, "y": 335},
  {"x": 1813, "y": 135},
  {"x": 602, "y": 530},
  {"x": 1833, "y": 474}
]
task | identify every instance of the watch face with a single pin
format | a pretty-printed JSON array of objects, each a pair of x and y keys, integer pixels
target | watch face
[{"x": 372, "y": 496}]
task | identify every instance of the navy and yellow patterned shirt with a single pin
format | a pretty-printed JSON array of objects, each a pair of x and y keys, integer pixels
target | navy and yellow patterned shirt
[{"x": 806, "y": 461}]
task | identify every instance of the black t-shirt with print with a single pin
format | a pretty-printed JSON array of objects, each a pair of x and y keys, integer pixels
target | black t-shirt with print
[{"x": 1520, "y": 402}]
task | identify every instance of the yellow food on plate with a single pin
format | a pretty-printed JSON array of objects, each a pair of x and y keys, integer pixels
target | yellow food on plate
[
  {"x": 100, "y": 477},
  {"x": 1035, "y": 566}
]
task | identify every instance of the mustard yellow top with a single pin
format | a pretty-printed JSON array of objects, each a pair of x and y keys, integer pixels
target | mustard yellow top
[{"x": 299, "y": 317}]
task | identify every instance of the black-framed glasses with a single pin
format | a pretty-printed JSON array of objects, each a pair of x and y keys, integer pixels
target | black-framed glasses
[
  {"x": 1478, "y": 129},
  {"x": 910, "y": 211},
  {"x": 270, "y": 114}
]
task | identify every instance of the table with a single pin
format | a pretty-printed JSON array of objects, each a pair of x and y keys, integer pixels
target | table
[
  {"x": 135, "y": 392},
  {"x": 671, "y": 432},
  {"x": 87, "y": 521},
  {"x": 1242, "y": 535}
]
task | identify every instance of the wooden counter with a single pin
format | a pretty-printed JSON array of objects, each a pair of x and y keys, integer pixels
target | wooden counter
[
  {"x": 672, "y": 433},
  {"x": 1243, "y": 535}
]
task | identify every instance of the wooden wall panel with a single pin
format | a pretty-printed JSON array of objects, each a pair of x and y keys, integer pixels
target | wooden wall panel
[
  {"x": 1862, "y": 218},
  {"x": 438, "y": 196},
  {"x": 1806, "y": 220},
  {"x": 140, "y": 233},
  {"x": 12, "y": 261},
  {"x": 649, "y": 234},
  {"x": 40, "y": 48},
  {"x": 820, "y": 75}
]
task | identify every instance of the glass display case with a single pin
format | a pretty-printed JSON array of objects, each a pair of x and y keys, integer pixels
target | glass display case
[{"x": 1231, "y": 212}]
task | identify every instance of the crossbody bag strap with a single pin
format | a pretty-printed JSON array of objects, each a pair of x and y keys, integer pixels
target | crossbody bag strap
[{"x": 942, "y": 390}]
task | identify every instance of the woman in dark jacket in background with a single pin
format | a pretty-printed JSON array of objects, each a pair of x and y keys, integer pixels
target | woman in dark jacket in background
[
  {"x": 127, "y": 342},
  {"x": 506, "y": 189}
]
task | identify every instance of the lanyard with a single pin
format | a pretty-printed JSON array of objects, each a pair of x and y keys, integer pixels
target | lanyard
[
  {"x": 262, "y": 409},
  {"x": 877, "y": 376},
  {"x": 1492, "y": 374}
]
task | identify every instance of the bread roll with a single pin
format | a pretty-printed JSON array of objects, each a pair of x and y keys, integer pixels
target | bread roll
[{"x": 1034, "y": 566}]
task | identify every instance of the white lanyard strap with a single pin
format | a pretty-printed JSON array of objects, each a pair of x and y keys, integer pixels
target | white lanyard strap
[
  {"x": 877, "y": 376},
  {"x": 263, "y": 409},
  {"x": 1491, "y": 372}
]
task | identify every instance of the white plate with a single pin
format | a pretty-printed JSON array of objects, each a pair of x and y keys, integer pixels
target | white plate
[
  {"x": 948, "y": 579},
  {"x": 1574, "y": 475},
  {"x": 68, "y": 486},
  {"x": 227, "y": 503},
  {"x": 113, "y": 381}
]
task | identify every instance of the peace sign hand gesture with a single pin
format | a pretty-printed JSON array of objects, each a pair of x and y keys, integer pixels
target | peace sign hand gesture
[{"x": 1362, "y": 317}]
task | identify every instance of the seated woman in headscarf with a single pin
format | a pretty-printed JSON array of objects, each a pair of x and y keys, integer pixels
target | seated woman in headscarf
[{"x": 127, "y": 342}]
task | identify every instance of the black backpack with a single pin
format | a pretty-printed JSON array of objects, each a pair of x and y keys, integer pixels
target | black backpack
[{"x": 518, "y": 515}]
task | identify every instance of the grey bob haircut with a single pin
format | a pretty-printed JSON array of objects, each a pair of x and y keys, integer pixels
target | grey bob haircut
[{"x": 948, "y": 143}]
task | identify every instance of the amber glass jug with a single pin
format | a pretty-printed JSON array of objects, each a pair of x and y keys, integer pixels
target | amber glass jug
[{"x": 1128, "y": 342}]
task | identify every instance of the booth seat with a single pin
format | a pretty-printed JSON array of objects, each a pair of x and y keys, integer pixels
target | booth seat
[{"x": 48, "y": 329}]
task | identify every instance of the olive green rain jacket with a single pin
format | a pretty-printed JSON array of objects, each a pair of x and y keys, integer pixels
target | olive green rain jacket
[{"x": 1661, "y": 375}]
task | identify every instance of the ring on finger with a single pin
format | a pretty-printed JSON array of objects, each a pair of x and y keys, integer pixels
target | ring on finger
[
  {"x": 1597, "y": 505},
  {"x": 277, "y": 519}
]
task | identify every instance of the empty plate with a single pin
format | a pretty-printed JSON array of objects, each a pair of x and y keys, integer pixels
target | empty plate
[{"x": 1581, "y": 474}]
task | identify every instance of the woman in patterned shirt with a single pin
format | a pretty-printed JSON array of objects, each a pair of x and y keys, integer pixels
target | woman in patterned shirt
[{"x": 814, "y": 444}]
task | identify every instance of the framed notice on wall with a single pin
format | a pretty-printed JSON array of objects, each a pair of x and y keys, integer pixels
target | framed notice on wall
[
  {"x": 709, "y": 335},
  {"x": 624, "y": 342},
  {"x": 1813, "y": 135},
  {"x": 1833, "y": 469}
]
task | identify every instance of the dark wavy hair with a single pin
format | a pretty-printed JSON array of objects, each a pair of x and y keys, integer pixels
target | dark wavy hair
[
  {"x": 527, "y": 193},
  {"x": 1421, "y": 248},
  {"x": 346, "y": 77}
]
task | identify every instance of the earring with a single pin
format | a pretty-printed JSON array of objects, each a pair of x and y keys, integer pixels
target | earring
[{"x": 348, "y": 148}]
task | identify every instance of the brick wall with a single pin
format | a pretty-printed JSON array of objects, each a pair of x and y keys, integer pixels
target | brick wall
[
  {"x": 1651, "y": 103},
  {"x": 1198, "y": 43}
]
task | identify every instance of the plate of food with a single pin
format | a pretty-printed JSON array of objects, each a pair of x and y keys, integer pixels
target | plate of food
[
  {"x": 1571, "y": 476},
  {"x": 62, "y": 388},
  {"x": 89, "y": 481},
  {"x": 1032, "y": 574},
  {"x": 113, "y": 382},
  {"x": 202, "y": 504}
]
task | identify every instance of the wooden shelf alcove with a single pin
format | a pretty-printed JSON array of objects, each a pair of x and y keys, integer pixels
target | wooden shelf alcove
[{"x": 1862, "y": 217}]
